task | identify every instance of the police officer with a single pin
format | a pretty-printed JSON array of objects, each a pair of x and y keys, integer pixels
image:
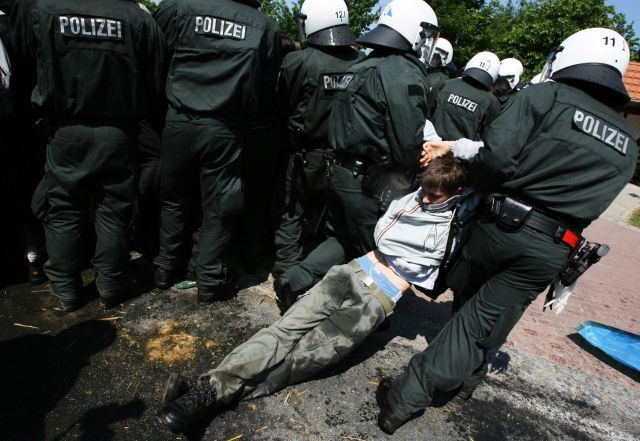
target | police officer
[
  {"x": 224, "y": 68},
  {"x": 553, "y": 161},
  {"x": 100, "y": 70},
  {"x": 437, "y": 71},
  {"x": 465, "y": 106},
  {"x": 508, "y": 82},
  {"x": 311, "y": 78},
  {"x": 376, "y": 126}
]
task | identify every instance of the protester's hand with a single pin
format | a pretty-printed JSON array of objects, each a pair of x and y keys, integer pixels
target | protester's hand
[{"x": 434, "y": 149}]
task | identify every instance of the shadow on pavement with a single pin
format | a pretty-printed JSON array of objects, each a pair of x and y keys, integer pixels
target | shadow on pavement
[
  {"x": 603, "y": 357},
  {"x": 38, "y": 370}
]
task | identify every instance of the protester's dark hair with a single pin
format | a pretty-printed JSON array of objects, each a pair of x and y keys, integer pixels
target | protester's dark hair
[
  {"x": 446, "y": 173},
  {"x": 288, "y": 44}
]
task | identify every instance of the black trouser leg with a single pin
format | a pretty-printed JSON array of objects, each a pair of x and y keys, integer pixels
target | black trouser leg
[
  {"x": 178, "y": 171},
  {"x": 310, "y": 190},
  {"x": 222, "y": 200},
  {"x": 85, "y": 162}
]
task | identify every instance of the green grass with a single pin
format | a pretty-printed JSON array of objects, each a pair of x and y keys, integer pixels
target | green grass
[{"x": 635, "y": 218}]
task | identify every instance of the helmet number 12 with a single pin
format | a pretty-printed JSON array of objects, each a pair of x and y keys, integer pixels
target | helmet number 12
[{"x": 341, "y": 14}]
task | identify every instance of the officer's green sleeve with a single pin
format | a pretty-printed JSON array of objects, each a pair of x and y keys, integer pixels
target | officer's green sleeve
[
  {"x": 407, "y": 123},
  {"x": 155, "y": 64},
  {"x": 504, "y": 139},
  {"x": 492, "y": 112},
  {"x": 166, "y": 16},
  {"x": 294, "y": 71},
  {"x": 23, "y": 14},
  {"x": 274, "y": 61}
]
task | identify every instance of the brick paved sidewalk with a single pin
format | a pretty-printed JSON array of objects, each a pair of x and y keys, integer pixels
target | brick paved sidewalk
[{"x": 607, "y": 293}]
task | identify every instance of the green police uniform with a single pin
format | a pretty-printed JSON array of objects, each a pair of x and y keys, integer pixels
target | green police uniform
[
  {"x": 566, "y": 154},
  {"x": 311, "y": 78},
  {"x": 100, "y": 69},
  {"x": 436, "y": 77},
  {"x": 504, "y": 98},
  {"x": 463, "y": 109},
  {"x": 224, "y": 67},
  {"x": 380, "y": 114}
]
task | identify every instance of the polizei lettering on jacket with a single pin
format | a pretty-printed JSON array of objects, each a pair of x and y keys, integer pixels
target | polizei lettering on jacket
[
  {"x": 90, "y": 27},
  {"x": 339, "y": 81},
  {"x": 220, "y": 27},
  {"x": 601, "y": 131},
  {"x": 463, "y": 102}
]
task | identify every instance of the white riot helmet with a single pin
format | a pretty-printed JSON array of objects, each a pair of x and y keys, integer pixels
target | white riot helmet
[
  {"x": 484, "y": 68},
  {"x": 325, "y": 23},
  {"x": 405, "y": 25},
  {"x": 597, "y": 55},
  {"x": 444, "y": 51},
  {"x": 511, "y": 70}
]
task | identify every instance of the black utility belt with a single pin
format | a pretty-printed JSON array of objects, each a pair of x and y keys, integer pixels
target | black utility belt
[
  {"x": 511, "y": 215},
  {"x": 356, "y": 166}
]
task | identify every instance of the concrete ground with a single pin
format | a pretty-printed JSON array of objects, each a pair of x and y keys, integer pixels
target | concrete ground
[{"x": 96, "y": 375}]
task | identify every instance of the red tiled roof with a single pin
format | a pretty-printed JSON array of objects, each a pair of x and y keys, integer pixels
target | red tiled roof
[{"x": 632, "y": 80}]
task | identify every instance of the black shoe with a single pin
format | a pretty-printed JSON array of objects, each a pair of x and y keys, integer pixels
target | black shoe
[
  {"x": 69, "y": 305},
  {"x": 387, "y": 420},
  {"x": 164, "y": 279},
  {"x": 285, "y": 296},
  {"x": 36, "y": 273},
  {"x": 179, "y": 414},
  {"x": 207, "y": 295},
  {"x": 111, "y": 302},
  {"x": 466, "y": 392},
  {"x": 177, "y": 386}
]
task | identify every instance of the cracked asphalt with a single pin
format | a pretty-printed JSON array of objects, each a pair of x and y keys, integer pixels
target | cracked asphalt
[{"x": 99, "y": 375}]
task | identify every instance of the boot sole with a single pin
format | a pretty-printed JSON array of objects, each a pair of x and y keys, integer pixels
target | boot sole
[{"x": 172, "y": 389}]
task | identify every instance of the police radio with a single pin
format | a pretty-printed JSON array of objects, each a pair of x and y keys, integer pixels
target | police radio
[
  {"x": 589, "y": 254},
  {"x": 579, "y": 262}
]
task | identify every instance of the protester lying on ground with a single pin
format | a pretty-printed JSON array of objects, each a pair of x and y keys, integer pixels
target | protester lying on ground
[{"x": 339, "y": 312}]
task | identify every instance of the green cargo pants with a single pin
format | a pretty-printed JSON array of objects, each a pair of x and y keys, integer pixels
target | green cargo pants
[
  {"x": 319, "y": 330},
  {"x": 500, "y": 274},
  {"x": 88, "y": 163},
  {"x": 352, "y": 218}
]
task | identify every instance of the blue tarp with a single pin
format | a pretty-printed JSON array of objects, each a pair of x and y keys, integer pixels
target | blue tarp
[{"x": 620, "y": 345}]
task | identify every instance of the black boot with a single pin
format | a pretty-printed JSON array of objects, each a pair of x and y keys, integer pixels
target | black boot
[
  {"x": 189, "y": 408},
  {"x": 208, "y": 295},
  {"x": 387, "y": 420},
  {"x": 177, "y": 386},
  {"x": 285, "y": 296},
  {"x": 163, "y": 278},
  {"x": 35, "y": 261}
]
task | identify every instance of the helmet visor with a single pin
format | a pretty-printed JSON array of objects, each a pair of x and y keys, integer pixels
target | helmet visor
[
  {"x": 548, "y": 66},
  {"x": 426, "y": 45}
]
